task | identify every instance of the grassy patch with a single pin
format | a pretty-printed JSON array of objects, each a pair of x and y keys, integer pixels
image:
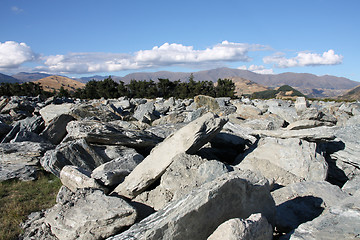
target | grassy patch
[{"x": 18, "y": 199}]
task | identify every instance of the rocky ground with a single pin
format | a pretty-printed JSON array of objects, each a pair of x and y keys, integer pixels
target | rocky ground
[{"x": 199, "y": 168}]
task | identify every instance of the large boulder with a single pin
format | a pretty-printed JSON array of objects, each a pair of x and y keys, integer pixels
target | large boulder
[
  {"x": 52, "y": 111},
  {"x": 90, "y": 215},
  {"x": 188, "y": 139},
  {"x": 109, "y": 134},
  {"x": 285, "y": 160},
  {"x": 121, "y": 162},
  {"x": 301, "y": 202},
  {"x": 339, "y": 222},
  {"x": 198, "y": 214},
  {"x": 56, "y": 129},
  {"x": 255, "y": 227},
  {"x": 25, "y": 130},
  {"x": 20, "y": 160},
  {"x": 145, "y": 112},
  {"x": 77, "y": 153}
]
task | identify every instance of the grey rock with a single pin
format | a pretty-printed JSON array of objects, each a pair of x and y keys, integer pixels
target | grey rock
[
  {"x": 266, "y": 121},
  {"x": 301, "y": 202},
  {"x": 339, "y": 222},
  {"x": 35, "y": 228},
  {"x": 171, "y": 118},
  {"x": 121, "y": 162},
  {"x": 24, "y": 128},
  {"x": 313, "y": 135},
  {"x": 188, "y": 139},
  {"x": 304, "y": 124},
  {"x": 289, "y": 114},
  {"x": 198, "y": 214},
  {"x": 145, "y": 112},
  {"x": 209, "y": 103},
  {"x": 4, "y": 129},
  {"x": 165, "y": 130},
  {"x": 75, "y": 178},
  {"x": 90, "y": 214},
  {"x": 20, "y": 160},
  {"x": 77, "y": 153},
  {"x": 301, "y": 104},
  {"x": 109, "y": 134},
  {"x": 247, "y": 111},
  {"x": 56, "y": 130},
  {"x": 95, "y": 110},
  {"x": 255, "y": 227},
  {"x": 52, "y": 111},
  {"x": 347, "y": 155},
  {"x": 285, "y": 161},
  {"x": 352, "y": 185}
]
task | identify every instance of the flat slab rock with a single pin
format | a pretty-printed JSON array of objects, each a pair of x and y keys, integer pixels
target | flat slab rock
[
  {"x": 188, "y": 139},
  {"x": 198, "y": 214}
]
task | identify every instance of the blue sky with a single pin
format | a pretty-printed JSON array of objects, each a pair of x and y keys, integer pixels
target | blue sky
[{"x": 115, "y": 37}]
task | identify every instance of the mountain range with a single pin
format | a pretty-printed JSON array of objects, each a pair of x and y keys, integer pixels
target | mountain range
[{"x": 309, "y": 84}]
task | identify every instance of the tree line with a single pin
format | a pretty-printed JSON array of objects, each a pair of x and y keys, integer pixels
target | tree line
[
  {"x": 165, "y": 88},
  {"x": 108, "y": 88}
]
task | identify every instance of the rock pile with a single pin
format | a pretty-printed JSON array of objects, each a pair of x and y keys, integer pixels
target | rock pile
[{"x": 200, "y": 168}]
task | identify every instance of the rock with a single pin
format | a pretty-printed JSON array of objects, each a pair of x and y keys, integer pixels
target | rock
[
  {"x": 352, "y": 185},
  {"x": 301, "y": 104},
  {"x": 304, "y": 124},
  {"x": 24, "y": 128},
  {"x": 266, "y": 121},
  {"x": 301, "y": 202},
  {"x": 76, "y": 178},
  {"x": 172, "y": 118},
  {"x": 285, "y": 160},
  {"x": 4, "y": 129},
  {"x": 56, "y": 130},
  {"x": 188, "y": 139},
  {"x": 345, "y": 150},
  {"x": 255, "y": 227},
  {"x": 109, "y": 134},
  {"x": 20, "y": 160},
  {"x": 35, "y": 228},
  {"x": 198, "y": 214},
  {"x": 339, "y": 222},
  {"x": 90, "y": 214},
  {"x": 313, "y": 135},
  {"x": 77, "y": 153},
  {"x": 95, "y": 110},
  {"x": 165, "y": 130},
  {"x": 121, "y": 161},
  {"x": 209, "y": 103},
  {"x": 52, "y": 111},
  {"x": 145, "y": 112},
  {"x": 247, "y": 111},
  {"x": 287, "y": 113}
]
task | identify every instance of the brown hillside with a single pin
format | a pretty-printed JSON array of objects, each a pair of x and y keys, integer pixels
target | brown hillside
[
  {"x": 52, "y": 83},
  {"x": 351, "y": 95},
  {"x": 246, "y": 87}
]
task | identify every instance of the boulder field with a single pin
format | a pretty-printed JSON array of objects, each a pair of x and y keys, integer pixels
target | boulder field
[{"x": 202, "y": 168}]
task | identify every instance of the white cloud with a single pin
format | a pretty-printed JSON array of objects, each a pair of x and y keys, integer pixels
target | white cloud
[
  {"x": 257, "y": 69},
  {"x": 165, "y": 55},
  {"x": 304, "y": 59},
  {"x": 16, "y": 9},
  {"x": 13, "y": 54}
]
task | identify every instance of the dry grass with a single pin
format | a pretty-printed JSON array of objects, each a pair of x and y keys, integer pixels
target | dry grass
[{"x": 18, "y": 199}]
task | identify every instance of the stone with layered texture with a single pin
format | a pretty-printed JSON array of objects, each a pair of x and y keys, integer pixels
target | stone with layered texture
[
  {"x": 198, "y": 214},
  {"x": 89, "y": 215},
  {"x": 52, "y": 111},
  {"x": 109, "y": 134},
  {"x": 255, "y": 227},
  {"x": 285, "y": 160},
  {"x": 188, "y": 139}
]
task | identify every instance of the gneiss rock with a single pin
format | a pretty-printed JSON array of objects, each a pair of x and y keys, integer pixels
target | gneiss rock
[
  {"x": 109, "y": 134},
  {"x": 188, "y": 139},
  {"x": 285, "y": 160},
  {"x": 89, "y": 215},
  {"x": 20, "y": 160},
  {"x": 76, "y": 178},
  {"x": 301, "y": 202},
  {"x": 56, "y": 130},
  {"x": 198, "y": 214},
  {"x": 339, "y": 222},
  {"x": 52, "y": 111},
  {"x": 255, "y": 227},
  {"x": 122, "y": 161},
  {"x": 77, "y": 153}
]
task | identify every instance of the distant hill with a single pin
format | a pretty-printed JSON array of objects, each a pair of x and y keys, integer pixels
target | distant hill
[
  {"x": 52, "y": 83},
  {"x": 30, "y": 77},
  {"x": 7, "y": 79},
  {"x": 310, "y": 84},
  {"x": 283, "y": 92},
  {"x": 95, "y": 77},
  {"x": 246, "y": 87},
  {"x": 353, "y": 94}
]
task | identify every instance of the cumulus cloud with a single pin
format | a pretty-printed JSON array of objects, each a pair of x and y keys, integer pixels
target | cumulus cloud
[
  {"x": 257, "y": 69},
  {"x": 13, "y": 54},
  {"x": 164, "y": 55},
  {"x": 304, "y": 59}
]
